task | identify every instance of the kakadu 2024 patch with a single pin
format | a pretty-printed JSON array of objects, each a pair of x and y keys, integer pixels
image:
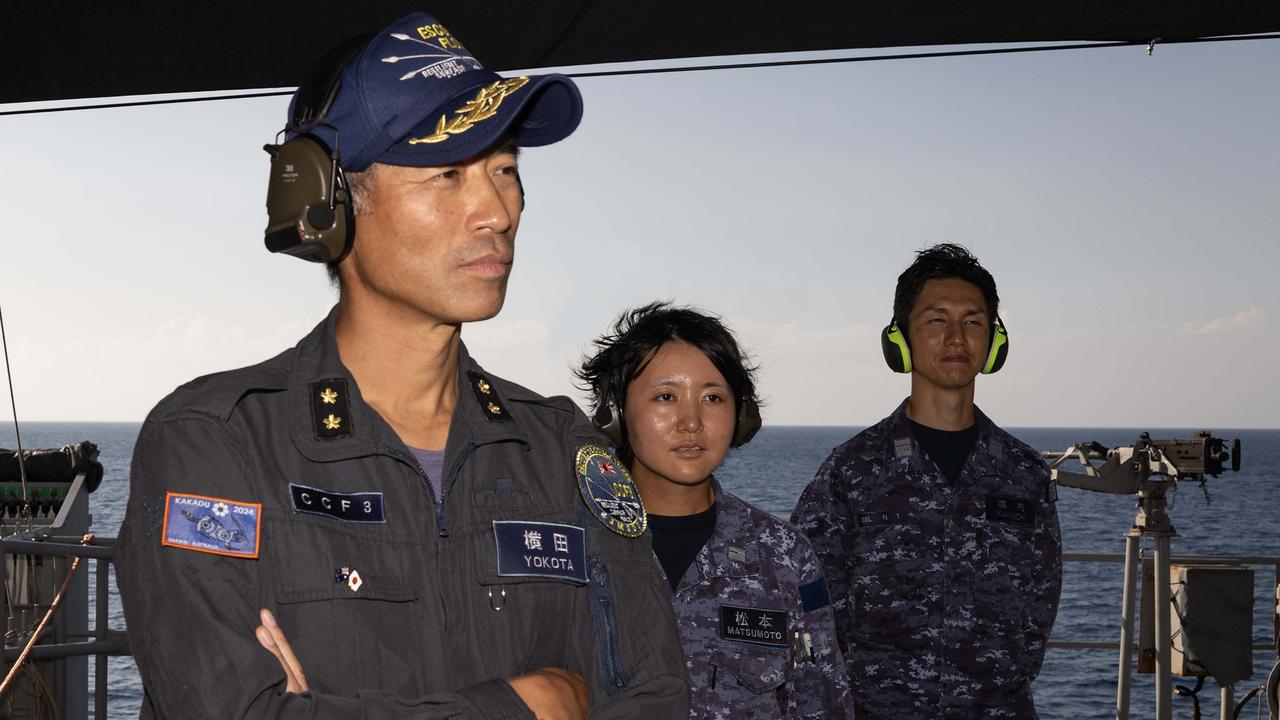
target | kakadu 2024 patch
[{"x": 211, "y": 525}]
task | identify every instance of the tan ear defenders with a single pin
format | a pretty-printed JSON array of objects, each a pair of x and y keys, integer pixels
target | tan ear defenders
[{"x": 309, "y": 213}]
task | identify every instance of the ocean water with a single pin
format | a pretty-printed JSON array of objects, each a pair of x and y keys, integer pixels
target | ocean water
[{"x": 1242, "y": 519}]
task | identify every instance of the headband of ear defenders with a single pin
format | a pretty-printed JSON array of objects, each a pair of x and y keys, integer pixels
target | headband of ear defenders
[
  {"x": 897, "y": 351},
  {"x": 608, "y": 418}
]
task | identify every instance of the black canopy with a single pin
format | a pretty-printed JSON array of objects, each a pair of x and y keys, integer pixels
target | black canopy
[{"x": 63, "y": 49}]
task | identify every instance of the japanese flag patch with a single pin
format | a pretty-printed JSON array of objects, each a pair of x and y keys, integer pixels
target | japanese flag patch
[{"x": 211, "y": 525}]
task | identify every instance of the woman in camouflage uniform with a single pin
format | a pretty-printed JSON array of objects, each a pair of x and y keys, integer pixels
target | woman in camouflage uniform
[{"x": 673, "y": 391}]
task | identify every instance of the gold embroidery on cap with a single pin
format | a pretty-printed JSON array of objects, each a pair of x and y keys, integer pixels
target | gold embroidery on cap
[
  {"x": 482, "y": 107},
  {"x": 329, "y": 397},
  {"x": 333, "y": 422}
]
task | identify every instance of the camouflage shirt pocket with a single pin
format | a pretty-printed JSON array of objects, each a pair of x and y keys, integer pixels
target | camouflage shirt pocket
[
  {"x": 742, "y": 684},
  {"x": 998, "y": 633},
  {"x": 890, "y": 584}
]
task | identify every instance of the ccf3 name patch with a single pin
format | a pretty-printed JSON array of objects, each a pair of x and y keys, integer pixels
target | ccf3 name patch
[
  {"x": 363, "y": 507},
  {"x": 211, "y": 525}
]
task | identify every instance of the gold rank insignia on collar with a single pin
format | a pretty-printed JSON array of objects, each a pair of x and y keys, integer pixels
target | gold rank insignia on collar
[
  {"x": 491, "y": 405},
  {"x": 330, "y": 409}
]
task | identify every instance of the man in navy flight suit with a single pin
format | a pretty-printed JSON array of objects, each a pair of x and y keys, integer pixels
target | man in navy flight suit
[{"x": 419, "y": 529}]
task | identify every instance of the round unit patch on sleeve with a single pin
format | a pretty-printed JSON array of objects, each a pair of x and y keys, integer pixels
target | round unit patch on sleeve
[{"x": 608, "y": 491}]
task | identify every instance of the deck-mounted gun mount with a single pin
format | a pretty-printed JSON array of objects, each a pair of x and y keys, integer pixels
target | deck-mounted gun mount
[{"x": 1149, "y": 469}]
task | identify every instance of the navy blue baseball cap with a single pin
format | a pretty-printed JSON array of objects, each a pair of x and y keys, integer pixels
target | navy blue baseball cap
[{"x": 414, "y": 96}]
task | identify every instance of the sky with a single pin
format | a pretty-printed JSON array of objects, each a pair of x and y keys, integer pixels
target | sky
[{"x": 1127, "y": 205}]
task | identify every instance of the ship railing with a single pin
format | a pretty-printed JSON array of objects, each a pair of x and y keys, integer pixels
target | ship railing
[
  {"x": 100, "y": 641},
  {"x": 103, "y": 642},
  {"x": 1145, "y": 648},
  {"x": 1145, "y": 555}
]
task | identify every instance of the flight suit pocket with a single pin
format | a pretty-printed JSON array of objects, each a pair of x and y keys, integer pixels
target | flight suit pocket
[
  {"x": 317, "y": 559},
  {"x": 502, "y": 497},
  {"x": 345, "y": 601},
  {"x": 348, "y": 585},
  {"x": 525, "y": 570}
]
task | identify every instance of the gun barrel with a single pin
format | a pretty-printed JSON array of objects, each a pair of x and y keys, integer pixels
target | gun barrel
[
  {"x": 1092, "y": 450},
  {"x": 1052, "y": 455},
  {"x": 1113, "y": 485}
]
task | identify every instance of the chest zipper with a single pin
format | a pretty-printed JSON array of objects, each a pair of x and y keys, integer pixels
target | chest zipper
[
  {"x": 441, "y": 522},
  {"x": 447, "y": 481}
]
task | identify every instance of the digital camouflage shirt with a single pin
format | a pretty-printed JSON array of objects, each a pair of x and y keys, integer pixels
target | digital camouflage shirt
[
  {"x": 755, "y": 620},
  {"x": 944, "y": 594}
]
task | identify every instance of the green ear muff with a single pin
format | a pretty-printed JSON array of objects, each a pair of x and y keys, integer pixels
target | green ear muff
[
  {"x": 999, "y": 349},
  {"x": 897, "y": 354}
]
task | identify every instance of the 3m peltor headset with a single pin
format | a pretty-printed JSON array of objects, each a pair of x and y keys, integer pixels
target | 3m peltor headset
[
  {"x": 309, "y": 212},
  {"x": 608, "y": 418},
  {"x": 897, "y": 352}
]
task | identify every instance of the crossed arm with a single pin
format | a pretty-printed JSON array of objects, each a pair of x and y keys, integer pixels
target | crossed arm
[{"x": 552, "y": 693}]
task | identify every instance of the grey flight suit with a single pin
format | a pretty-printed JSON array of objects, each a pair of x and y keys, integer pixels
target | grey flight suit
[
  {"x": 944, "y": 594},
  {"x": 755, "y": 619},
  {"x": 396, "y": 607}
]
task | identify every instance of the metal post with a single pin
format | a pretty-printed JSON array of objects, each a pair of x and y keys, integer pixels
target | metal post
[
  {"x": 1164, "y": 684},
  {"x": 1128, "y": 601},
  {"x": 63, "y": 677},
  {"x": 4, "y": 596},
  {"x": 1228, "y": 706},
  {"x": 100, "y": 624},
  {"x": 73, "y": 519}
]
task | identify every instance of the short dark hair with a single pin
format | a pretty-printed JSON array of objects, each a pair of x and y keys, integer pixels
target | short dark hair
[
  {"x": 945, "y": 260},
  {"x": 622, "y": 354}
]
